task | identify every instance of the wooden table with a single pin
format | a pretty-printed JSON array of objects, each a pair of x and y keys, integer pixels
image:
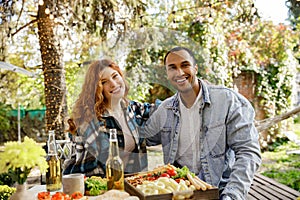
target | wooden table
[{"x": 264, "y": 188}]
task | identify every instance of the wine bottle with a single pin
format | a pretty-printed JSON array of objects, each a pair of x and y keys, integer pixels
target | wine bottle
[
  {"x": 53, "y": 174},
  {"x": 114, "y": 164}
]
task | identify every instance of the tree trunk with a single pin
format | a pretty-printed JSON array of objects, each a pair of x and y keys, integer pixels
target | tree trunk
[{"x": 54, "y": 74}]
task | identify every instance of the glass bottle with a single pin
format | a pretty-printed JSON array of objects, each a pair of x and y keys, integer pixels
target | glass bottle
[
  {"x": 53, "y": 174},
  {"x": 114, "y": 164}
]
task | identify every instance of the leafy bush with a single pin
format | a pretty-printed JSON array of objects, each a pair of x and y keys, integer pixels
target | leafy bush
[
  {"x": 33, "y": 127},
  {"x": 278, "y": 142},
  {"x": 297, "y": 119},
  {"x": 5, "y": 179},
  {"x": 5, "y": 122},
  {"x": 6, "y": 192}
]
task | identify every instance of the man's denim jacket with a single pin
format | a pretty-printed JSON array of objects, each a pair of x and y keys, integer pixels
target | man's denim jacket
[{"x": 230, "y": 150}]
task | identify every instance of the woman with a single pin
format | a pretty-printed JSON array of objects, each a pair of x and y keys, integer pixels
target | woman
[{"x": 101, "y": 106}]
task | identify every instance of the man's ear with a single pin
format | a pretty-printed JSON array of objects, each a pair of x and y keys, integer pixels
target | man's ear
[{"x": 196, "y": 68}]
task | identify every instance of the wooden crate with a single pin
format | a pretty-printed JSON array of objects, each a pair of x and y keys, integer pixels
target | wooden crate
[{"x": 198, "y": 195}]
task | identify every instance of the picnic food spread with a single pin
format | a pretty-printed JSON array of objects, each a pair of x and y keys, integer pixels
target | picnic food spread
[{"x": 168, "y": 179}]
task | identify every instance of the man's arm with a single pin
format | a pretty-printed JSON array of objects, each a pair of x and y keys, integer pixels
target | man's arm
[
  {"x": 243, "y": 139},
  {"x": 153, "y": 126}
]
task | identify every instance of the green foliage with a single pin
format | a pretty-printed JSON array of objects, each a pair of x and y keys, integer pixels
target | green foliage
[
  {"x": 281, "y": 166},
  {"x": 18, "y": 88},
  {"x": 286, "y": 177},
  {"x": 6, "y": 192},
  {"x": 297, "y": 120},
  {"x": 19, "y": 158},
  {"x": 5, "y": 122},
  {"x": 74, "y": 79},
  {"x": 31, "y": 127},
  {"x": 227, "y": 38},
  {"x": 136, "y": 74},
  {"x": 5, "y": 179},
  {"x": 278, "y": 142},
  {"x": 294, "y": 12}
]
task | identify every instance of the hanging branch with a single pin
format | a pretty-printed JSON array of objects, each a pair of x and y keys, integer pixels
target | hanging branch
[
  {"x": 21, "y": 11},
  {"x": 267, "y": 123},
  {"x": 24, "y": 26}
]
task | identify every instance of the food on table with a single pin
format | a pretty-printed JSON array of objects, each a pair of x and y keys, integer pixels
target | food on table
[
  {"x": 116, "y": 195},
  {"x": 95, "y": 185},
  {"x": 60, "y": 196},
  {"x": 168, "y": 179},
  {"x": 76, "y": 195},
  {"x": 44, "y": 196}
]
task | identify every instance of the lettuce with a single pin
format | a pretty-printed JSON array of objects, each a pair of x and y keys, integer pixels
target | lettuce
[
  {"x": 95, "y": 185},
  {"x": 182, "y": 172}
]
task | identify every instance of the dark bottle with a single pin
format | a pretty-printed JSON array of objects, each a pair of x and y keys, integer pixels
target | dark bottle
[
  {"x": 114, "y": 164},
  {"x": 53, "y": 174}
]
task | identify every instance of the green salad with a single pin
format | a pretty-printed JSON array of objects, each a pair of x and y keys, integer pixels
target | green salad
[
  {"x": 95, "y": 185},
  {"x": 182, "y": 172}
]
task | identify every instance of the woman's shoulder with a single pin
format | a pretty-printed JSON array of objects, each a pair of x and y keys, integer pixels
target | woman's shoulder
[
  {"x": 139, "y": 105},
  {"x": 144, "y": 109}
]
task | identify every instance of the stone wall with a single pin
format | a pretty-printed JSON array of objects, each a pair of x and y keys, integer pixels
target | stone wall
[{"x": 245, "y": 84}]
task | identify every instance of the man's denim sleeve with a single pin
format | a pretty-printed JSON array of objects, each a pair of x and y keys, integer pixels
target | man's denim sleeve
[
  {"x": 153, "y": 126},
  {"x": 242, "y": 137}
]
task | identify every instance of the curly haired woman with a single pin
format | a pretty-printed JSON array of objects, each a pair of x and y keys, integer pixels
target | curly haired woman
[{"x": 102, "y": 105}]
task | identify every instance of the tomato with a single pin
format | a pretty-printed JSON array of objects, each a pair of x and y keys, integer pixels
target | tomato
[
  {"x": 57, "y": 196},
  {"x": 151, "y": 178},
  {"x": 178, "y": 180},
  {"x": 60, "y": 196},
  {"x": 66, "y": 197},
  {"x": 43, "y": 195},
  {"x": 77, "y": 195},
  {"x": 172, "y": 172},
  {"x": 165, "y": 175}
]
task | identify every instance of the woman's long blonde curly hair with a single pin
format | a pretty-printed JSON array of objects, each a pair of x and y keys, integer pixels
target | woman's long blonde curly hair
[{"x": 91, "y": 101}]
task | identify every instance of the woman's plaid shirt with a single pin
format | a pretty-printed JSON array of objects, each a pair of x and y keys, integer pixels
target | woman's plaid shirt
[{"x": 91, "y": 144}]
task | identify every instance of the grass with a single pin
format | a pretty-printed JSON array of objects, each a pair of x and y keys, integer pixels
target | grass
[{"x": 283, "y": 167}]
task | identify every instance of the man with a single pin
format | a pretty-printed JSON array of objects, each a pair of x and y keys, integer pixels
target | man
[{"x": 210, "y": 129}]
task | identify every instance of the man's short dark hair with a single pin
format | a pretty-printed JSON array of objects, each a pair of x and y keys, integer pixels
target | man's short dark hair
[{"x": 179, "y": 49}]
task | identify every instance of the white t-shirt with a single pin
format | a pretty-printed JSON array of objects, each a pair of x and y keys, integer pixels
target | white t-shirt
[
  {"x": 129, "y": 140},
  {"x": 189, "y": 136}
]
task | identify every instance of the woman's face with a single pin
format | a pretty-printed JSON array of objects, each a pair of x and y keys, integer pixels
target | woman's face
[{"x": 112, "y": 83}]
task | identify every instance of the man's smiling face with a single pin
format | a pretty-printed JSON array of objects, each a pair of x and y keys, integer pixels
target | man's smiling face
[{"x": 181, "y": 71}]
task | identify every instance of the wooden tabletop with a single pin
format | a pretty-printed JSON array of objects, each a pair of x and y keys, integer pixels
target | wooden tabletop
[{"x": 264, "y": 188}]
